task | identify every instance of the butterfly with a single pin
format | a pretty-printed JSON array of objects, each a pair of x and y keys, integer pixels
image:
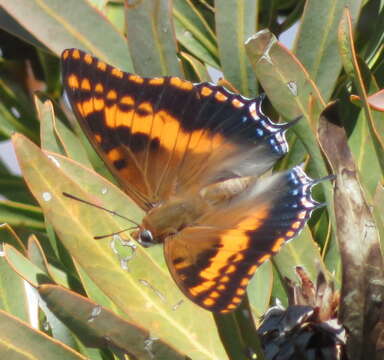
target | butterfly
[{"x": 194, "y": 158}]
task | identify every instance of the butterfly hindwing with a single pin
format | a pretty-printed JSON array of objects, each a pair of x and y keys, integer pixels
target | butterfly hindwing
[
  {"x": 214, "y": 260},
  {"x": 165, "y": 135}
]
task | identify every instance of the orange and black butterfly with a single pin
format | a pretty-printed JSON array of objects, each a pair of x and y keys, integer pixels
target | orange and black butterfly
[{"x": 192, "y": 156}]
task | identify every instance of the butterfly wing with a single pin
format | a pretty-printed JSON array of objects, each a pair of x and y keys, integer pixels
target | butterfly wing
[
  {"x": 163, "y": 136},
  {"x": 213, "y": 261}
]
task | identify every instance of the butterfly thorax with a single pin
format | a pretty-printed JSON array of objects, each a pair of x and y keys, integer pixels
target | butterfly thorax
[
  {"x": 172, "y": 216},
  {"x": 175, "y": 214}
]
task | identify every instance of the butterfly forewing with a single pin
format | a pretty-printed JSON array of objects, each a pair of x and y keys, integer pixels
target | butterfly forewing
[{"x": 163, "y": 135}]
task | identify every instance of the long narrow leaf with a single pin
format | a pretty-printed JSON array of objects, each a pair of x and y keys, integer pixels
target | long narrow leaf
[
  {"x": 316, "y": 42},
  {"x": 71, "y": 23},
  {"x": 97, "y": 326},
  {"x": 151, "y": 37},
  {"x": 351, "y": 66},
  {"x": 235, "y": 23},
  {"x": 19, "y": 341}
]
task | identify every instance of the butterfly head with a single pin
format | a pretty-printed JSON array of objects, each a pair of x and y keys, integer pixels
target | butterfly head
[
  {"x": 145, "y": 238},
  {"x": 145, "y": 234}
]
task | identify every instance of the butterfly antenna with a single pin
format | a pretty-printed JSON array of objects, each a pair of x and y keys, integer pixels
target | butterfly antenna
[
  {"x": 99, "y": 237},
  {"x": 73, "y": 197}
]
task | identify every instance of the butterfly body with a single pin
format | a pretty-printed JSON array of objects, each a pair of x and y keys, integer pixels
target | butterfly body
[
  {"x": 171, "y": 217},
  {"x": 193, "y": 157}
]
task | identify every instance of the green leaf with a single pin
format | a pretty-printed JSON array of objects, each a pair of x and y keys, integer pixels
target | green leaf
[
  {"x": 351, "y": 67},
  {"x": 151, "y": 38},
  {"x": 301, "y": 251},
  {"x": 24, "y": 267},
  {"x": 192, "y": 21},
  {"x": 288, "y": 86},
  {"x": 114, "y": 11},
  {"x": 236, "y": 21},
  {"x": 361, "y": 145},
  {"x": 98, "y": 327},
  {"x": 145, "y": 292},
  {"x": 55, "y": 136},
  {"x": 71, "y": 143},
  {"x": 316, "y": 43},
  {"x": 66, "y": 275},
  {"x": 36, "y": 254},
  {"x": 73, "y": 23},
  {"x": 47, "y": 118},
  {"x": 13, "y": 297},
  {"x": 13, "y": 188},
  {"x": 57, "y": 328},
  {"x": 190, "y": 43},
  {"x": 260, "y": 289},
  {"x": 51, "y": 68},
  {"x": 95, "y": 293},
  {"x": 99, "y": 4},
  {"x": 369, "y": 40},
  {"x": 9, "y": 236},
  {"x": 19, "y": 214},
  {"x": 18, "y": 341},
  {"x": 231, "y": 336},
  {"x": 15, "y": 113},
  {"x": 199, "y": 69},
  {"x": 9, "y": 24},
  {"x": 293, "y": 93}
]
